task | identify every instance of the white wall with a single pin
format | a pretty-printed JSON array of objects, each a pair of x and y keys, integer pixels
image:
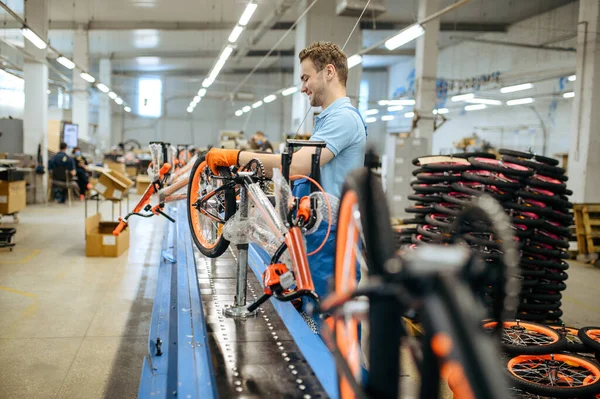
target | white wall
[
  {"x": 546, "y": 69},
  {"x": 212, "y": 114},
  {"x": 378, "y": 84}
]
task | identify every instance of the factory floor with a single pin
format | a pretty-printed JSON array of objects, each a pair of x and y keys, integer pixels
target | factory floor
[{"x": 77, "y": 327}]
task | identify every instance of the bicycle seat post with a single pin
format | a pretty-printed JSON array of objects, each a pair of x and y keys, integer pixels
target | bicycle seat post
[{"x": 239, "y": 309}]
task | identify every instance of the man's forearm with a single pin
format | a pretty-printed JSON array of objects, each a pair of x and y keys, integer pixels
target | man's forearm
[{"x": 269, "y": 161}]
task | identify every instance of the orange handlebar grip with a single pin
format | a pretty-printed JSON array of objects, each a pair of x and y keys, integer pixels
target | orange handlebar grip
[
  {"x": 122, "y": 224},
  {"x": 304, "y": 208}
]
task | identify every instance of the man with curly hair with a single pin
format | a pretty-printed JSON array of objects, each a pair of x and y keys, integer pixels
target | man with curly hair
[{"x": 323, "y": 72}]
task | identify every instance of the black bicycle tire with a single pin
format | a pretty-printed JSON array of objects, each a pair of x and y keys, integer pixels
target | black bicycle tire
[
  {"x": 468, "y": 190},
  {"x": 492, "y": 182},
  {"x": 551, "y": 253},
  {"x": 545, "y": 306},
  {"x": 476, "y": 154},
  {"x": 543, "y": 297},
  {"x": 547, "y": 160},
  {"x": 534, "y": 349},
  {"x": 551, "y": 286},
  {"x": 438, "y": 179},
  {"x": 430, "y": 189},
  {"x": 533, "y": 318},
  {"x": 504, "y": 151},
  {"x": 552, "y": 241},
  {"x": 545, "y": 263},
  {"x": 556, "y": 188},
  {"x": 424, "y": 198},
  {"x": 556, "y": 276},
  {"x": 500, "y": 169},
  {"x": 439, "y": 208},
  {"x": 429, "y": 219},
  {"x": 554, "y": 170},
  {"x": 454, "y": 200},
  {"x": 550, "y": 391},
  {"x": 559, "y": 230},
  {"x": 538, "y": 210},
  {"x": 230, "y": 209},
  {"x": 589, "y": 342},
  {"x": 571, "y": 346}
]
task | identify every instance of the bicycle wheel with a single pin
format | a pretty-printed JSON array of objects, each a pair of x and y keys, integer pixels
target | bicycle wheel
[
  {"x": 590, "y": 336},
  {"x": 363, "y": 214},
  {"x": 500, "y": 166},
  {"x": 557, "y": 375},
  {"x": 205, "y": 219},
  {"x": 528, "y": 338},
  {"x": 574, "y": 343},
  {"x": 520, "y": 154}
]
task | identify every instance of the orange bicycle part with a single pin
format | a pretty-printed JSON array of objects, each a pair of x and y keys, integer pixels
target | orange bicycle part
[
  {"x": 195, "y": 215},
  {"x": 558, "y": 371},
  {"x": 346, "y": 281},
  {"x": 145, "y": 200},
  {"x": 297, "y": 251},
  {"x": 304, "y": 208}
]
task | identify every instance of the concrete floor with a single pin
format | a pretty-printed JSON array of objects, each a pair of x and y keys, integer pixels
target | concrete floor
[
  {"x": 77, "y": 327},
  {"x": 71, "y": 326}
]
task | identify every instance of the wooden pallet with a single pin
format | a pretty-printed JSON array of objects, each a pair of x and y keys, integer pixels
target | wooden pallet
[{"x": 587, "y": 225}]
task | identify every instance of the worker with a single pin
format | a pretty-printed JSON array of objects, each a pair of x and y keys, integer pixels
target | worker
[
  {"x": 323, "y": 72},
  {"x": 59, "y": 163},
  {"x": 260, "y": 142},
  {"x": 81, "y": 171}
]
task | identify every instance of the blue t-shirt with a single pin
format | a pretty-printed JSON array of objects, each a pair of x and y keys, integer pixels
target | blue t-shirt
[{"x": 341, "y": 127}]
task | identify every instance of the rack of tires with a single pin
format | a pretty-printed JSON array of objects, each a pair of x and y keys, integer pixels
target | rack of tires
[
  {"x": 533, "y": 192},
  {"x": 549, "y": 361}
]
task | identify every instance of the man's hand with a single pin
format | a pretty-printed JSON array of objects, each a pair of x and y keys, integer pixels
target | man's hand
[{"x": 220, "y": 157}]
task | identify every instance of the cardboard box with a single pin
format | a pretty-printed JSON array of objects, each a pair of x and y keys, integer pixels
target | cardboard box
[
  {"x": 131, "y": 170},
  {"x": 115, "y": 166},
  {"x": 13, "y": 196},
  {"x": 99, "y": 239},
  {"x": 113, "y": 185},
  {"x": 141, "y": 184}
]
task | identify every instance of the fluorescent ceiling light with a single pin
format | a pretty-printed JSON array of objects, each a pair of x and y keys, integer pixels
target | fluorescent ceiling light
[
  {"x": 512, "y": 89},
  {"x": 119, "y": 100},
  {"x": 190, "y": 110},
  {"x": 235, "y": 34},
  {"x": 569, "y": 94},
  {"x": 371, "y": 112},
  {"x": 371, "y": 119},
  {"x": 246, "y": 109},
  {"x": 102, "y": 87},
  {"x": 520, "y": 101},
  {"x": 290, "y": 90},
  {"x": 64, "y": 61},
  {"x": 245, "y": 18},
  {"x": 112, "y": 95},
  {"x": 202, "y": 92},
  {"x": 33, "y": 38},
  {"x": 239, "y": 112},
  {"x": 484, "y": 101},
  {"x": 475, "y": 107},
  {"x": 401, "y": 102},
  {"x": 395, "y": 108},
  {"x": 270, "y": 98},
  {"x": 48, "y": 91},
  {"x": 87, "y": 77},
  {"x": 354, "y": 60},
  {"x": 206, "y": 82},
  {"x": 440, "y": 111},
  {"x": 409, "y": 115},
  {"x": 226, "y": 53},
  {"x": 463, "y": 97},
  {"x": 387, "y": 118},
  {"x": 148, "y": 60},
  {"x": 383, "y": 102},
  {"x": 197, "y": 99},
  {"x": 572, "y": 78},
  {"x": 257, "y": 104},
  {"x": 127, "y": 109},
  {"x": 407, "y": 35}
]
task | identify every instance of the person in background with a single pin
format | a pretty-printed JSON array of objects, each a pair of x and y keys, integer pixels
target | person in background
[
  {"x": 260, "y": 142},
  {"x": 81, "y": 170},
  {"x": 61, "y": 161}
]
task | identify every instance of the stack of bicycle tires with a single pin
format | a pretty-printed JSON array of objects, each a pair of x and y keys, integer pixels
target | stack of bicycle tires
[{"x": 533, "y": 193}]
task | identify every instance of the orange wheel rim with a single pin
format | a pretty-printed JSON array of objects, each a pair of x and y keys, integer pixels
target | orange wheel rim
[
  {"x": 198, "y": 221},
  {"x": 593, "y": 334},
  {"x": 346, "y": 331},
  {"x": 565, "y": 371},
  {"x": 525, "y": 334}
]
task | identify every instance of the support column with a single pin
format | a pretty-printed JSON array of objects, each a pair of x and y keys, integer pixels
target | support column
[
  {"x": 322, "y": 24},
  {"x": 80, "y": 95},
  {"x": 104, "y": 119},
  {"x": 426, "y": 59},
  {"x": 35, "y": 116},
  {"x": 584, "y": 148}
]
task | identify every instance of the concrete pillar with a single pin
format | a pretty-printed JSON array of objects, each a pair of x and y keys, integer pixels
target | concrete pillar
[
  {"x": 35, "y": 116},
  {"x": 80, "y": 95},
  {"x": 104, "y": 117},
  {"x": 426, "y": 59},
  {"x": 584, "y": 161},
  {"x": 322, "y": 24}
]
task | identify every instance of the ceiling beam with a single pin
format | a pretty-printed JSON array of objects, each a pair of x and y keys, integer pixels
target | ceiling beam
[{"x": 183, "y": 25}]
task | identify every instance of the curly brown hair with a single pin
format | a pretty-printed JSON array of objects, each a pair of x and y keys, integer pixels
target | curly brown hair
[{"x": 324, "y": 53}]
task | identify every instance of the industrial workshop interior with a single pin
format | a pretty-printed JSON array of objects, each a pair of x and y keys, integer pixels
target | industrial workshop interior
[{"x": 346, "y": 199}]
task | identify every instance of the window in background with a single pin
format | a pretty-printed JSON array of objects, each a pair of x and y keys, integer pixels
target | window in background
[
  {"x": 363, "y": 96},
  {"x": 12, "y": 90},
  {"x": 150, "y": 97}
]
